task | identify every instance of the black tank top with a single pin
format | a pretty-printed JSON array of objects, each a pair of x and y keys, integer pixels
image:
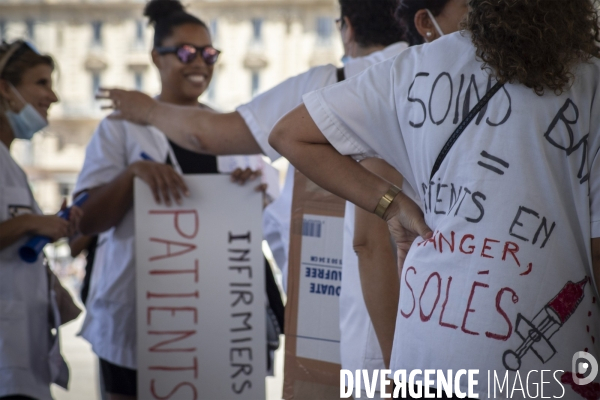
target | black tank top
[{"x": 191, "y": 162}]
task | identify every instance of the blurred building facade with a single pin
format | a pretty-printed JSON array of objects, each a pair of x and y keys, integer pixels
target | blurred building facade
[{"x": 107, "y": 43}]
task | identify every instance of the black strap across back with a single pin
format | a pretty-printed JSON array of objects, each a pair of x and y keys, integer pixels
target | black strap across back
[{"x": 461, "y": 127}]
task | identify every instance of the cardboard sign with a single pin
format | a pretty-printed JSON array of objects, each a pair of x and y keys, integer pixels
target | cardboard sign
[
  {"x": 200, "y": 293},
  {"x": 312, "y": 346}
]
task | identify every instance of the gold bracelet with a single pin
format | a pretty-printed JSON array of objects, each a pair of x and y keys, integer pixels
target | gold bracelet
[{"x": 386, "y": 200}]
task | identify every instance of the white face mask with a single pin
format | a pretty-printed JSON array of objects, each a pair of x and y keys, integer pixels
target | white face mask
[
  {"x": 26, "y": 122},
  {"x": 435, "y": 24}
]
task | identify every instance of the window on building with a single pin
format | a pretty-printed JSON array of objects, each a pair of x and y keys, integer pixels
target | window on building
[
  {"x": 255, "y": 82},
  {"x": 65, "y": 189},
  {"x": 3, "y": 30},
  {"x": 139, "y": 81},
  {"x": 214, "y": 28},
  {"x": 139, "y": 32},
  {"x": 97, "y": 33},
  {"x": 96, "y": 82},
  {"x": 30, "y": 27},
  {"x": 324, "y": 29},
  {"x": 257, "y": 29},
  {"x": 59, "y": 37}
]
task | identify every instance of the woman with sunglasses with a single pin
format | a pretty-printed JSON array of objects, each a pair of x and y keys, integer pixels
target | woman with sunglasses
[
  {"x": 117, "y": 153},
  {"x": 29, "y": 354}
]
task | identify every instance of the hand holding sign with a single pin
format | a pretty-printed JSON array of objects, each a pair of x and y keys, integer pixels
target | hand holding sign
[{"x": 163, "y": 180}]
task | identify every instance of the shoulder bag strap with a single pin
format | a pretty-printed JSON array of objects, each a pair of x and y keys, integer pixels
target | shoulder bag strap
[
  {"x": 461, "y": 127},
  {"x": 341, "y": 75}
]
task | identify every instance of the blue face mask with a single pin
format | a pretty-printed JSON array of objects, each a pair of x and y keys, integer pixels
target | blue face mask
[
  {"x": 345, "y": 59},
  {"x": 26, "y": 122}
]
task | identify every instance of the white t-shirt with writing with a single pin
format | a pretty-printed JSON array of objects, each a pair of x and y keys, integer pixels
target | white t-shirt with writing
[{"x": 506, "y": 283}]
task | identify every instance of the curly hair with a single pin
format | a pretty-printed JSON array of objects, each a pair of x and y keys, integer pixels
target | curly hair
[
  {"x": 534, "y": 42},
  {"x": 373, "y": 21},
  {"x": 405, "y": 14}
]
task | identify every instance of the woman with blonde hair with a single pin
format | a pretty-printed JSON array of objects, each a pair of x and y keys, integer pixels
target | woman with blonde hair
[
  {"x": 498, "y": 128},
  {"x": 29, "y": 353}
]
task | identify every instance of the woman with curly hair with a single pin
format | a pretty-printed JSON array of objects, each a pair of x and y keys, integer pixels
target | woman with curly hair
[{"x": 504, "y": 276}]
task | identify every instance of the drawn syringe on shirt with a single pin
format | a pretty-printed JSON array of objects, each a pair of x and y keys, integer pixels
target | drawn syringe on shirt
[{"x": 536, "y": 333}]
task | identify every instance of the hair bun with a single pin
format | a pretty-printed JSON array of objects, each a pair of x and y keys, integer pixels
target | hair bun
[{"x": 158, "y": 9}]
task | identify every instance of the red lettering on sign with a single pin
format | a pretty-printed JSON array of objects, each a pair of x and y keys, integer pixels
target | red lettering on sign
[
  {"x": 411, "y": 292},
  {"x": 176, "y": 214},
  {"x": 173, "y": 391},
  {"x": 515, "y": 298},
  {"x": 424, "y": 317},
  {"x": 442, "y": 323},
  {"x": 450, "y": 244},
  {"x": 173, "y": 311},
  {"x": 186, "y": 248},
  {"x": 486, "y": 247},
  {"x": 193, "y": 367},
  {"x": 180, "y": 335},
  {"x": 178, "y": 271},
  {"x": 469, "y": 309},
  {"x": 512, "y": 248},
  {"x": 471, "y": 247}
]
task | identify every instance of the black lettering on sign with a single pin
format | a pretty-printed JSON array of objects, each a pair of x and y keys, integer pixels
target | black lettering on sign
[
  {"x": 479, "y": 206},
  {"x": 492, "y": 168},
  {"x": 445, "y": 199},
  {"x": 454, "y": 196},
  {"x": 554, "y": 137},
  {"x": 467, "y": 102},
  {"x": 415, "y": 100},
  {"x": 467, "y": 191},
  {"x": 527, "y": 227},
  {"x": 441, "y": 121},
  {"x": 427, "y": 196},
  {"x": 462, "y": 81},
  {"x": 438, "y": 199},
  {"x": 517, "y": 223},
  {"x": 547, "y": 232},
  {"x": 484, "y": 109}
]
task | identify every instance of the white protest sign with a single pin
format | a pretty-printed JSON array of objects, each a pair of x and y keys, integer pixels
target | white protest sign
[
  {"x": 318, "y": 334},
  {"x": 200, "y": 293}
]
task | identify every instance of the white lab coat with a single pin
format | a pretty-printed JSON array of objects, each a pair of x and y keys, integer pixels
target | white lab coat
[
  {"x": 110, "y": 322},
  {"x": 262, "y": 113},
  {"x": 29, "y": 355},
  {"x": 359, "y": 346}
]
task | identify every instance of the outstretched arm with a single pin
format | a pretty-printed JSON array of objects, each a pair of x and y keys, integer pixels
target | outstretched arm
[{"x": 196, "y": 129}]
